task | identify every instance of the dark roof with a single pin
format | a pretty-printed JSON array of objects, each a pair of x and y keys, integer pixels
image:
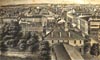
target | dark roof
[
  {"x": 56, "y": 35},
  {"x": 85, "y": 18},
  {"x": 76, "y": 35}
]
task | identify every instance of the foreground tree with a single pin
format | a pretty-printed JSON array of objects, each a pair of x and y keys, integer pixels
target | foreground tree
[
  {"x": 22, "y": 47},
  {"x": 87, "y": 45},
  {"x": 14, "y": 28},
  {"x": 95, "y": 50},
  {"x": 44, "y": 45},
  {"x": 33, "y": 42},
  {"x": 3, "y": 48},
  {"x": 3, "y": 30},
  {"x": 44, "y": 50},
  {"x": 87, "y": 48},
  {"x": 44, "y": 55}
]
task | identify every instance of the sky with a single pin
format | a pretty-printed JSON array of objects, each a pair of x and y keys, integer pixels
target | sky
[{"x": 7, "y": 2}]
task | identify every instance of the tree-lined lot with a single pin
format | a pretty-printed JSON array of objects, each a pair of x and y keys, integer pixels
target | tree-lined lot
[{"x": 12, "y": 39}]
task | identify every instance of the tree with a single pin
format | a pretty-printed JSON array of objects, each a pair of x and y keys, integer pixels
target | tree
[
  {"x": 44, "y": 55},
  {"x": 44, "y": 50},
  {"x": 87, "y": 48},
  {"x": 14, "y": 28},
  {"x": 33, "y": 48},
  {"x": 11, "y": 43},
  {"x": 3, "y": 47},
  {"x": 87, "y": 45},
  {"x": 44, "y": 45},
  {"x": 36, "y": 37},
  {"x": 8, "y": 43},
  {"x": 87, "y": 39},
  {"x": 33, "y": 42},
  {"x": 13, "y": 34},
  {"x": 95, "y": 50},
  {"x": 3, "y": 30},
  {"x": 27, "y": 35},
  {"x": 22, "y": 46}
]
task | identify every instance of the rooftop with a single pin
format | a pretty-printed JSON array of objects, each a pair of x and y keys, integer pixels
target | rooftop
[
  {"x": 76, "y": 35},
  {"x": 85, "y": 18},
  {"x": 64, "y": 36}
]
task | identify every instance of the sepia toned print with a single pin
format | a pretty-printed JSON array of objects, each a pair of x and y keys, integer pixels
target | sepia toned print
[{"x": 49, "y": 29}]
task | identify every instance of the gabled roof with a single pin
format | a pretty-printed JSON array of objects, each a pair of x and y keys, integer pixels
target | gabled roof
[{"x": 73, "y": 36}]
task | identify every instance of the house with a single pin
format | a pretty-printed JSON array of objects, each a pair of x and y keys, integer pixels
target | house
[
  {"x": 83, "y": 24},
  {"x": 74, "y": 18},
  {"x": 59, "y": 36},
  {"x": 33, "y": 23},
  {"x": 89, "y": 25},
  {"x": 79, "y": 20}
]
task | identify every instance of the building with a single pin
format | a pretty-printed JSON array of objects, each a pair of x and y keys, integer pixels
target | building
[
  {"x": 89, "y": 25},
  {"x": 33, "y": 23},
  {"x": 74, "y": 17},
  {"x": 79, "y": 20},
  {"x": 83, "y": 24},
  {"x": 60, "y": 36},
  {"x": 94, "y": 28},
  {"x": 7, "y": 19}
]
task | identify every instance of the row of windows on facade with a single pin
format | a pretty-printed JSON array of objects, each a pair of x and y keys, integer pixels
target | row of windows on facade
[{"x": 75, "y": 42}]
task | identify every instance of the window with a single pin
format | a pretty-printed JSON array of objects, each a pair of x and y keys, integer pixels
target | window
[
  {"x": 80, "y": 41},
  {"x": 52, "y": 41},
  {"x": 75, "y": 42},
  {"x": 58, "y": 41}
]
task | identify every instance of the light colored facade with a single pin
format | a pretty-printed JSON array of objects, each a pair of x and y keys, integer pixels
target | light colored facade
[
  {"x": 84, "y": 25},
  {"x": 80, "y": 21},
  {"x": 94, "y": 27},
  {"x": 89, "y": 25},
  {"x": 33, "y": 23},
  {"x": 94, "y": 23}
]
